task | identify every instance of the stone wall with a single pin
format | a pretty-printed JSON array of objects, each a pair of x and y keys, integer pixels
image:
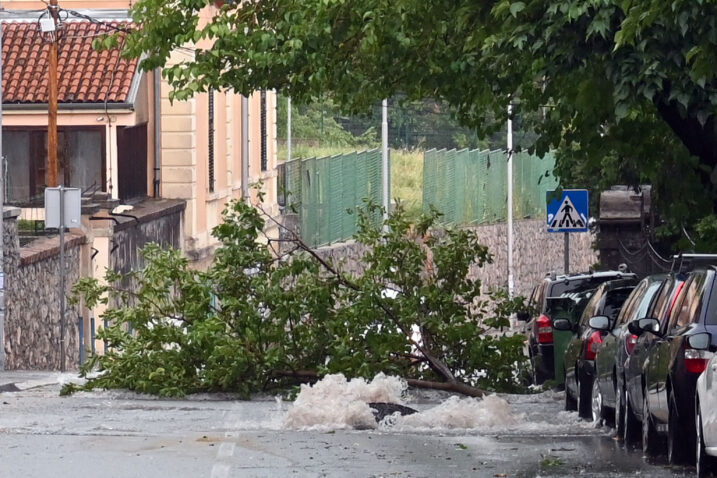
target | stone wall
[
  {"x": 535, "y": 252},
  {"x": 32, "y": 319}
]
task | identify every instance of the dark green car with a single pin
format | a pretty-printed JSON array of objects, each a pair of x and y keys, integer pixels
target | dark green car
[{"x": 579, "y": 371}]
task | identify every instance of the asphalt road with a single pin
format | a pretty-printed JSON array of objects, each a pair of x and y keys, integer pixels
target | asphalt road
[{"x": 116, "y": 434}]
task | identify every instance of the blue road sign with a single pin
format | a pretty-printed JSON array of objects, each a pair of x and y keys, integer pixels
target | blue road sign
[{"x": 568, "y": 212}]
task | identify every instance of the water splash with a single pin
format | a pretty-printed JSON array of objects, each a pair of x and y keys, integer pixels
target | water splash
[{"x": 338, "y": 403}]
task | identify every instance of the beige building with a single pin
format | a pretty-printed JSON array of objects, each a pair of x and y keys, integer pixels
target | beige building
[{"x": 118, "y": 132}]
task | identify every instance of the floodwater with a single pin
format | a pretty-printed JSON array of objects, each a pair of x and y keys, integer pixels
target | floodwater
[{"x": 124, "y": 434}]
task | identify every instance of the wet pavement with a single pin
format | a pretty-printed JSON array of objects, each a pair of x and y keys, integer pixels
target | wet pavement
[{"x": 121, "y": 434}]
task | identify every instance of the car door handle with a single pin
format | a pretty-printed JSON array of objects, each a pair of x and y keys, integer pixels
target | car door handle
[{"x": 714, "y": 367}]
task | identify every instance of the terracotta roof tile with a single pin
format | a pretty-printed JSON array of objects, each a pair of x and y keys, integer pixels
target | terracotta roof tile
[{"x": 84, "y": 75}]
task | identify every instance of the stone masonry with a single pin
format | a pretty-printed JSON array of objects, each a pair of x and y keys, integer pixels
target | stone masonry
[{"x": 535, "y": 253}]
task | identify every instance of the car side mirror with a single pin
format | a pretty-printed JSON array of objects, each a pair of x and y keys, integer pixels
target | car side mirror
[
  {"x": 523, "y": 316},
  {"x": 562, "y": 324},
  {"x": 648, "y": 324},
  {"x": 700, "y": 341},
  {"x": 600, "y": 322}
]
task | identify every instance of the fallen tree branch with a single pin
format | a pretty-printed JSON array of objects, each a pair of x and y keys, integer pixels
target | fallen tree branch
[
  {"x": 455, "y": 386},
  {"x": 436, "y": 364}
]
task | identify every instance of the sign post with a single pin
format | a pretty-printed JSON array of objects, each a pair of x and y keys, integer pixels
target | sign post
[
  {"x": 567, "y": 212},
  {"x": 62, "y": 209}
]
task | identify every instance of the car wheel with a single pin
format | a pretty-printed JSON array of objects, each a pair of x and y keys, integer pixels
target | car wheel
[
  {"x": 584, "y": 397},
  {"x": 676, "y": 453},
  {"x": 538, "y": 377},
  {"x": 631, "y": 426},
  {"x": 570, "y": 403},
  {"x": 701, "y": 459},
  {"x": 650, "y": 439},
  {"x": 598, "y": 413},
  {"x": 620, "y": 411}
]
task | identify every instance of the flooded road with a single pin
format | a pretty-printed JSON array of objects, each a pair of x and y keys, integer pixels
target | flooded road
[{"x": 120, "y": 434}]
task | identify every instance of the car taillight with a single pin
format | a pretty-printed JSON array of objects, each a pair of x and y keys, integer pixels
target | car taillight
[
  {"x": 630, "y": 342},
  {"x": 545, "y": 330},
  {"x": 696, "y": 360},
  {"x": 593, "y": 345}
]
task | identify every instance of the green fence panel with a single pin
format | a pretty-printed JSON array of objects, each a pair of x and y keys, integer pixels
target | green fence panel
[{"x": 470, "y": 187}]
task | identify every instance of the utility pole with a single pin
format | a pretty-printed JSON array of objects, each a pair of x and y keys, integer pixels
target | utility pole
[
  {"x": 52, "y": 102},
  {"x": 385, "y": 165},
  {"x": 509, "y": 141},
  {"x": 288, "y": 129}
]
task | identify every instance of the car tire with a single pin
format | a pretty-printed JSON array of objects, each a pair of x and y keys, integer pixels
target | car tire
[
  {"x": 539, "y": 377},
  {"x": 650, "y": 438},
  {"x": 620, "y": 411},
  {"x": 631, "y": 427},
  {"x": 704, "y": 463},
  {"x": 596, "y": 403},
  {"x": 585, "y": 388},
  {"x": 570, "y": 403},
  {"x": 676, "y": 450}
]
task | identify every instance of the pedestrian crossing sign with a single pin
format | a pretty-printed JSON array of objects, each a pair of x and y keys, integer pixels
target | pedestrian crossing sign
[{"x": 568, "y": 212}]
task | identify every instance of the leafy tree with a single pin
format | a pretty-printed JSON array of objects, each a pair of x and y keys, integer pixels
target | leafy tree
[
  {"x": 619, "y": 83},
  {"x": 256, "y": 320}
]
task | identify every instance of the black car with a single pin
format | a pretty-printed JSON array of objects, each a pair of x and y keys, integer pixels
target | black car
[
  {"x": 540, "y": 327},
  {"x": 663, "y": 369},
  {"x": 607, "y": 397},
  {"x": 580, "y": 353}
]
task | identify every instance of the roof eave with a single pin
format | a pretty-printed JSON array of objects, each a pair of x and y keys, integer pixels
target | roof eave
[{"x": 127, "y": 106}]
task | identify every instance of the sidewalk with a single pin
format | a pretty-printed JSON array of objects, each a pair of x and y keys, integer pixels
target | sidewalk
[{"x": 18, "y": 380}]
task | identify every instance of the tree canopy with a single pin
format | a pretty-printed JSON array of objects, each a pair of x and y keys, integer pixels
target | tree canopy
[{"x": 622, "y": 89}]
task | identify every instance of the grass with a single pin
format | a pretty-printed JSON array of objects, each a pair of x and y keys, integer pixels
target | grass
[{"x": 406, "y": 170}]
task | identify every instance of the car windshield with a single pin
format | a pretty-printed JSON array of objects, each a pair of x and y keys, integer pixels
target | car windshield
[{"x": 614, "y": 301}]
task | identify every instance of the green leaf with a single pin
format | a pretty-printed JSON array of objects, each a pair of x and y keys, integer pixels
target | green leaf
[{"x": 516, "y": 8}]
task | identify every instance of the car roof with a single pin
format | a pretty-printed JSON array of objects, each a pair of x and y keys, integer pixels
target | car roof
[{"x": 588, "y": 275}]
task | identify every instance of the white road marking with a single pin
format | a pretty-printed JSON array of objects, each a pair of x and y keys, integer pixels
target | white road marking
[
  {"x": 226, "y": 450},
  {"x": 220, "y": 470}
]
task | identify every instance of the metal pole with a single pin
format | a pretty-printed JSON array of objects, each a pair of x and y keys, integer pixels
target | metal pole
[
  {"x": 245, "y": 148},
  {"x": 52, "y": 103},
  {"x": 288, "y": 129},
  {"x": 62, "y": 278},
  {"x": 157, "y": 131},
  {"x": 510, "y": 201},
  {"x": 2, "y": 228},
  {"x": 566, "y": 252},
  {"x": 385, "y": 175}
]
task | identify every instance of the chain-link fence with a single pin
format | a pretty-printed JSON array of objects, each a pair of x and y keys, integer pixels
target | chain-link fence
[
  {"x": 470, "y": 186},
  {"x": 467, "y": 186},
  {"x": 325, "y": 193}
]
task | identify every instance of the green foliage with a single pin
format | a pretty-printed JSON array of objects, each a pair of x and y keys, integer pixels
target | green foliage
[
  {"x": 622, "y": 84},
  {"x": 253, "y": 321}
]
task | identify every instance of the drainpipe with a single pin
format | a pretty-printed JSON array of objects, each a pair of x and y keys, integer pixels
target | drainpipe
[
  {"x": 245, "y": 148},
  {"x": 157, "y": 131}
]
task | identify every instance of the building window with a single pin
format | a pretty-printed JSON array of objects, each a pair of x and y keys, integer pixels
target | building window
[
  {"x": 263, "y": 131},
  {"x": 210, "y": 94},
  {"x": 80, "y": 155}
]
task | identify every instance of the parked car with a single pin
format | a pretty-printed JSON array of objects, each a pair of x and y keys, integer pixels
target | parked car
[
  {"x": 579, "y": 372},
  {"x": 706, "y": 414},
  {"x": 663, "y": 369},
  {"x": 608, "y": 392},
  {"x": 541, "y": 350}
]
